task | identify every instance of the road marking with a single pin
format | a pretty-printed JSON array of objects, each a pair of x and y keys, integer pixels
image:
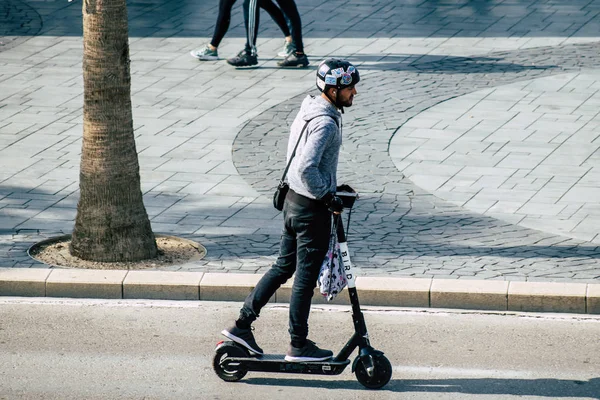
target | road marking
[
  {"x": 449, "y": 372},
  {"x": 144, "y": 303},
  {"x": 463, "y": 372}
]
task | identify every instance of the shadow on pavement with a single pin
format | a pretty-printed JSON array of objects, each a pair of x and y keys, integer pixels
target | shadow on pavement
[
  {"x": 396, "y": 19},
  {"x": 381, "y": 229},
  {"x": 442, "y": 64},
  {"x": 552, "y": 388}
]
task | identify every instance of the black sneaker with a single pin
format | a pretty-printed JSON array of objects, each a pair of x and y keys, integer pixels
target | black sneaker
[
  {"x": 243, "y": 59},
  {"x": 243, "y": 337},
  {"x": 292, "y": 60},
  {"x": 310, "y": 352}
]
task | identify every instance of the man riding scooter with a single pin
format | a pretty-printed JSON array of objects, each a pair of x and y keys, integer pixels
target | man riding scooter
[{"x": 312, "y": 178}]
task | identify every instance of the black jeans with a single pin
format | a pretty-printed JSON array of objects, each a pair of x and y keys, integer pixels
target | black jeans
[{"x": 304, "y": 243}]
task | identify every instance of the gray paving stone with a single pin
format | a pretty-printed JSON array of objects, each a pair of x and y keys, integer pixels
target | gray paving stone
[{"x": 401, "y": 229}]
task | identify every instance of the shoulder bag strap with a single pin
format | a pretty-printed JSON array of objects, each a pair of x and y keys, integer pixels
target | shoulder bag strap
[
  {"x": 296, "y": 147},
  {"x": 294, "y": 152}
]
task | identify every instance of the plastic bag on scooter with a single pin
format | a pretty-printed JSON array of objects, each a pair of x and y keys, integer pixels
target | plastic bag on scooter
[{"x": 332, "y": 278}]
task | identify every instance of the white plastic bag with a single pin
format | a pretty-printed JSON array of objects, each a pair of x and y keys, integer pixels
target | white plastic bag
[{"x": 332, "y": 278}]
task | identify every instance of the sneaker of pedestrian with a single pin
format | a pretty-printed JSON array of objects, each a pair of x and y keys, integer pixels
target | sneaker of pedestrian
[
  {"x": 309, "y": 352},
  {"x": 288, "y": 48},
  {"x": 243, "y": 59},
  {"x": 205, "y": 54},
  {"x": 243, "y": 337},
  {"x": 294, "y": 60}
]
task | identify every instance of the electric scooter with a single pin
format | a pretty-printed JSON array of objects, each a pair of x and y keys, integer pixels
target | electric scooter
[{"x": 372, "y": 369}]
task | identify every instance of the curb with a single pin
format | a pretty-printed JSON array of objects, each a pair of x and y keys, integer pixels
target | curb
[{"x": 580, "y": 298}]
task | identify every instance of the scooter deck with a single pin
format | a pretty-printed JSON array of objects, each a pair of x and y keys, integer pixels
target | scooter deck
[{"x": 277, "y": 363}]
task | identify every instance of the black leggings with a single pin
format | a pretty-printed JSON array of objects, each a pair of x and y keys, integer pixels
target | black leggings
[
  {"x": 291, "y": 12},
  {"x": 252, "y": 18},
  {"x": 224, "y": 18}
]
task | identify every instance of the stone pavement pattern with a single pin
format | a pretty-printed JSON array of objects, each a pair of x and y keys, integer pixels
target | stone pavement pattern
[{"x": 471, "y": 141}]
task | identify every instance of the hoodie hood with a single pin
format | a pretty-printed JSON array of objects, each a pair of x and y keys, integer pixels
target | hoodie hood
[{"x": 315, "y": 106}]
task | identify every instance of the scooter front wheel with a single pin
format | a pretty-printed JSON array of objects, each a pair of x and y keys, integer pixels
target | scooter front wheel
[
  {"x": 229, "y": 372},
  {"x": 382, "y": 372}
]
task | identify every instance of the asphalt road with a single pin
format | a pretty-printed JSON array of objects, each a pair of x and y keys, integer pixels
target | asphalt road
[{"x": 92, "y": 349}]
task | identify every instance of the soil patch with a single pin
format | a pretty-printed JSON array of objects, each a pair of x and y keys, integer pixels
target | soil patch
[{"x": 172, "y": 251}]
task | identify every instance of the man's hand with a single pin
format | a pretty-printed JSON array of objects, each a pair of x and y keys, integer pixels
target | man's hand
[{"x": 334, "y": 203}]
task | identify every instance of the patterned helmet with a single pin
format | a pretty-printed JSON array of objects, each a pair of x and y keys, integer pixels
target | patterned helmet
[{"x": 339, "y": 74}]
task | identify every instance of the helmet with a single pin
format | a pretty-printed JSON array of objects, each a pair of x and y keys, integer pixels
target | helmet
[{"x": 334, "y": 73}]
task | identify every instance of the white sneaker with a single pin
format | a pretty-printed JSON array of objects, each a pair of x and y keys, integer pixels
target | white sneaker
[
  {"x": 205, "y": 54},
  {"x": 288, "y": 48}
]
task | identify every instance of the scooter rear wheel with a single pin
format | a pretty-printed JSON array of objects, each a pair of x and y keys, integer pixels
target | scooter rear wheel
[
  {"x": 229, "y": 373},
  {"x": 382, "y": 373}
]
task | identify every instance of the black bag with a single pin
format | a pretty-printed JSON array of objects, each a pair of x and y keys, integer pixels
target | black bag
[
  {"x": 279, "y": 196},
  {"x": 283, "y": 187}
]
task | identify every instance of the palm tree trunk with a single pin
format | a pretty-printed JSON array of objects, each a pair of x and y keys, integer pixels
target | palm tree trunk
[{"x": 112, "y": 223}]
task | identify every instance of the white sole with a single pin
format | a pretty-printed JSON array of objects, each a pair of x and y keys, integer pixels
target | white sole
[
  {"x": 204, "y": 58},
  {"x": 239, "y": 341}
]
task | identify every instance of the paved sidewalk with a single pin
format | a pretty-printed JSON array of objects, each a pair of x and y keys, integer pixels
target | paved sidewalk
[{"x": 472, "y": 140}]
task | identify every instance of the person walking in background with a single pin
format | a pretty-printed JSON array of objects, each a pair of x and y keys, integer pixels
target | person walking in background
[
  {"x": 294, "y": 54},
  {"x": 293, "y": 50},
  {"x": 210, "y": 51}
]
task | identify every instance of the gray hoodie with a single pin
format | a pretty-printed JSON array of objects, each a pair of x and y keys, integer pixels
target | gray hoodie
[{"x": 314, "y": 168}]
